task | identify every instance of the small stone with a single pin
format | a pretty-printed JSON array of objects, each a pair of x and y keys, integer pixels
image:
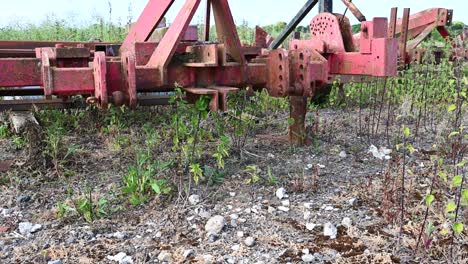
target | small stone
[
  {"x": 232, "y": 194},
  {"x": 343, "y": 154},
  {"x": 310, "y": 226},
  {"x": 26, "y": 228},
  {"x": 330, "y": 230},
  {"x": 58, "y": 261},
  {"x": 285, "y": 203},
  {"x": 164, "y": 256},
  {"x": 281, "y": 193},
  {"x": 271, "y": 209},
  {"x": 240, "y": 234},
  {"x": 234, "y": 216},
  {"x": 194, "y": 199},
  {"x": 308, "y": 205},
  {"x": 328, "y": 208},
  {"x": 119, "y": 235},
  {"x": 347, "y": 222},
  {"x": 305, "y": 251},
  {"x": 308, "y": 258},
  {"x": 235, "y": 247},
  {"x": 352, "y": 201},
  {"x": 307, "y": 215},
  {"x": 321, "y": 166},
  {"x": 212, "y": 238},
  {"x": 283, "y": 208},
  {"x": 249, "y": 241},
  {"x": 121, "y": 258},
  {"x": 208, "y": 259},
  {"x": 24, "y": 198},
  {"x": 204, "y": 213},
  {"x": 189, "y": 253}
]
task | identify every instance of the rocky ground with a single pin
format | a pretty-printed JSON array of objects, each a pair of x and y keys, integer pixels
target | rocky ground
[{"x": 322, "y": 204}]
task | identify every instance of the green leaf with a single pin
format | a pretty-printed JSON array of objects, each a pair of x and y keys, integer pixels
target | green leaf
[
  {"x": 465, "y": 195},
  {"x": 452, "y": 108},
  {"x": 406, "y": 132},
  {"x": 443, "y": 175},
  {"x": 457, "y": 228},
  {"x": 451, "y": 206},
  {"x": 411, "y": 149},
  {"x": 429, "y": 199},
  {"x": 457, "y": 181},
  {"x": 456, "y": 133}
]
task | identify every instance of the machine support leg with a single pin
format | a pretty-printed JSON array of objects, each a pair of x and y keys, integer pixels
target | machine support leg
[{"x": 298, "y": 110}]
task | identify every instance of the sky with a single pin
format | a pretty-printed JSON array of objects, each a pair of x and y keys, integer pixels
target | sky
[{"x": 255, "y": 12}]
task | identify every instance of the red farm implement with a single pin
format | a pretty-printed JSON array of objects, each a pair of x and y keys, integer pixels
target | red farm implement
[{"x": 124, "y": 73}]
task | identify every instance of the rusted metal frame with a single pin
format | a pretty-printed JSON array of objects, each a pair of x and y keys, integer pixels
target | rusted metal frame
[
  {"x": 31, "y": 45},
  {"x": 100, "y": 79},
  {"x": 412, "y": 44},
  {"x": 28, "y": 105},
  {"x": 404, "y": 34},
  {"x": 293, "y": 24},
  {"x": 20, "y": 72},
  {"x": 207, "y": 25},
  {"x": 424, "y": 18},
  {"x": 298, "y": 111},
  {"x": 151, "y": 16},
  {"x": 354, "y": 10},
  {"x": 227, "y": 31},
  {"x": 162, "y": 56},
  {"x": 393, "y": 22}
]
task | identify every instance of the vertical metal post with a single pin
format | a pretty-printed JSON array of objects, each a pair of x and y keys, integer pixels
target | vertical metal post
[
  {"x": 404, "y": 34},
  {"x": 298, "y": 111},
  {"x": 326, "y": 6},
  {"x": 393, "y": 21},
  {"x": 206, "y": 32}
]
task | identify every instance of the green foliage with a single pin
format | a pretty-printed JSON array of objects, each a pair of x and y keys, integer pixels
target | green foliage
[
  {"x": 4, "y": 132},
  {"x": 252, "y": 174},
  {"x": 214, "y": 176},
  {"x": 19, "y": 142}
]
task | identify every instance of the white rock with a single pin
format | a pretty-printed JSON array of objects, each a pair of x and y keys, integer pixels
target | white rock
[
  {"x": 343, "y": 154},
  {"x": 328, "y": 208},
  {"x": 271, "y": 156},
  {"x": 310, "y": 226},
  {"x": 118, "y": 235},
  {"x": 249, "y": 241},
  {"x": 308, "y": 258},
  {"x": 26, "y": 228},
  {"x": 321, "y": 166},
  {"x": 58, "y": 261},
  {"x": 281, "y": 193},
  {"x": 285, "y": 203},
  {"x": 194, "y": 199},
  {"x": 271, "y": 209},
  {"x": 208, "y": 259},
  {"x": 330, "y": 230},
  {"x": 232, "y": 194},
  {"x": 164, "y": 256},
  {"x": 215, "y": 224},
  {"x": 121, "y": 258},
  {"x": 309, "y": 166},
  {"x": 352, "y": 201},
  {"x": 240, "y": 234},
  {"x": 235, "y": 247},
  {"x": 283, "y": 208},
  {"x": 382, "y": 153},
  {"x": 308, "y": 205},
  {"x": 234, "y": 216},
  {"x": 189, "y": 253},
  {"x": 204, "y": 213},
  {"x": 347, "y": 222},
  {"x": 305, "y": 251},
  {"x": 307, "y": 215}
]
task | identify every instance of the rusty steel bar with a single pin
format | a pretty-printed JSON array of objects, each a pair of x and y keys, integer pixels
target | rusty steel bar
[
  {"x": 353, "y": 8},
  {"x": 153, "y": 13},
  {"x": 298, "y": 111},
  {"x": 392, "y": 24},
  {"x": 206, "y": 31},
  {"x": 404, "y": 34},
  {"x": 293, "y": 24}
]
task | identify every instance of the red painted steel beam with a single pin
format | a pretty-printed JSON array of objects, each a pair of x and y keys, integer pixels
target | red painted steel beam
[
  {"x": 206, "y": 31},
  {"x": 167, "y": 47},
  {"x": 226, "y": 30},
  {"x": 152, "y": 15}
]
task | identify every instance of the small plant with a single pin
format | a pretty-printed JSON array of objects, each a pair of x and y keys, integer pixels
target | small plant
[
  {"x": 4, "y": 133},
  {"x": 252, "y": 174},
  {"x": 19, "y": 142},
  {"x": 214, "y": 176}
]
